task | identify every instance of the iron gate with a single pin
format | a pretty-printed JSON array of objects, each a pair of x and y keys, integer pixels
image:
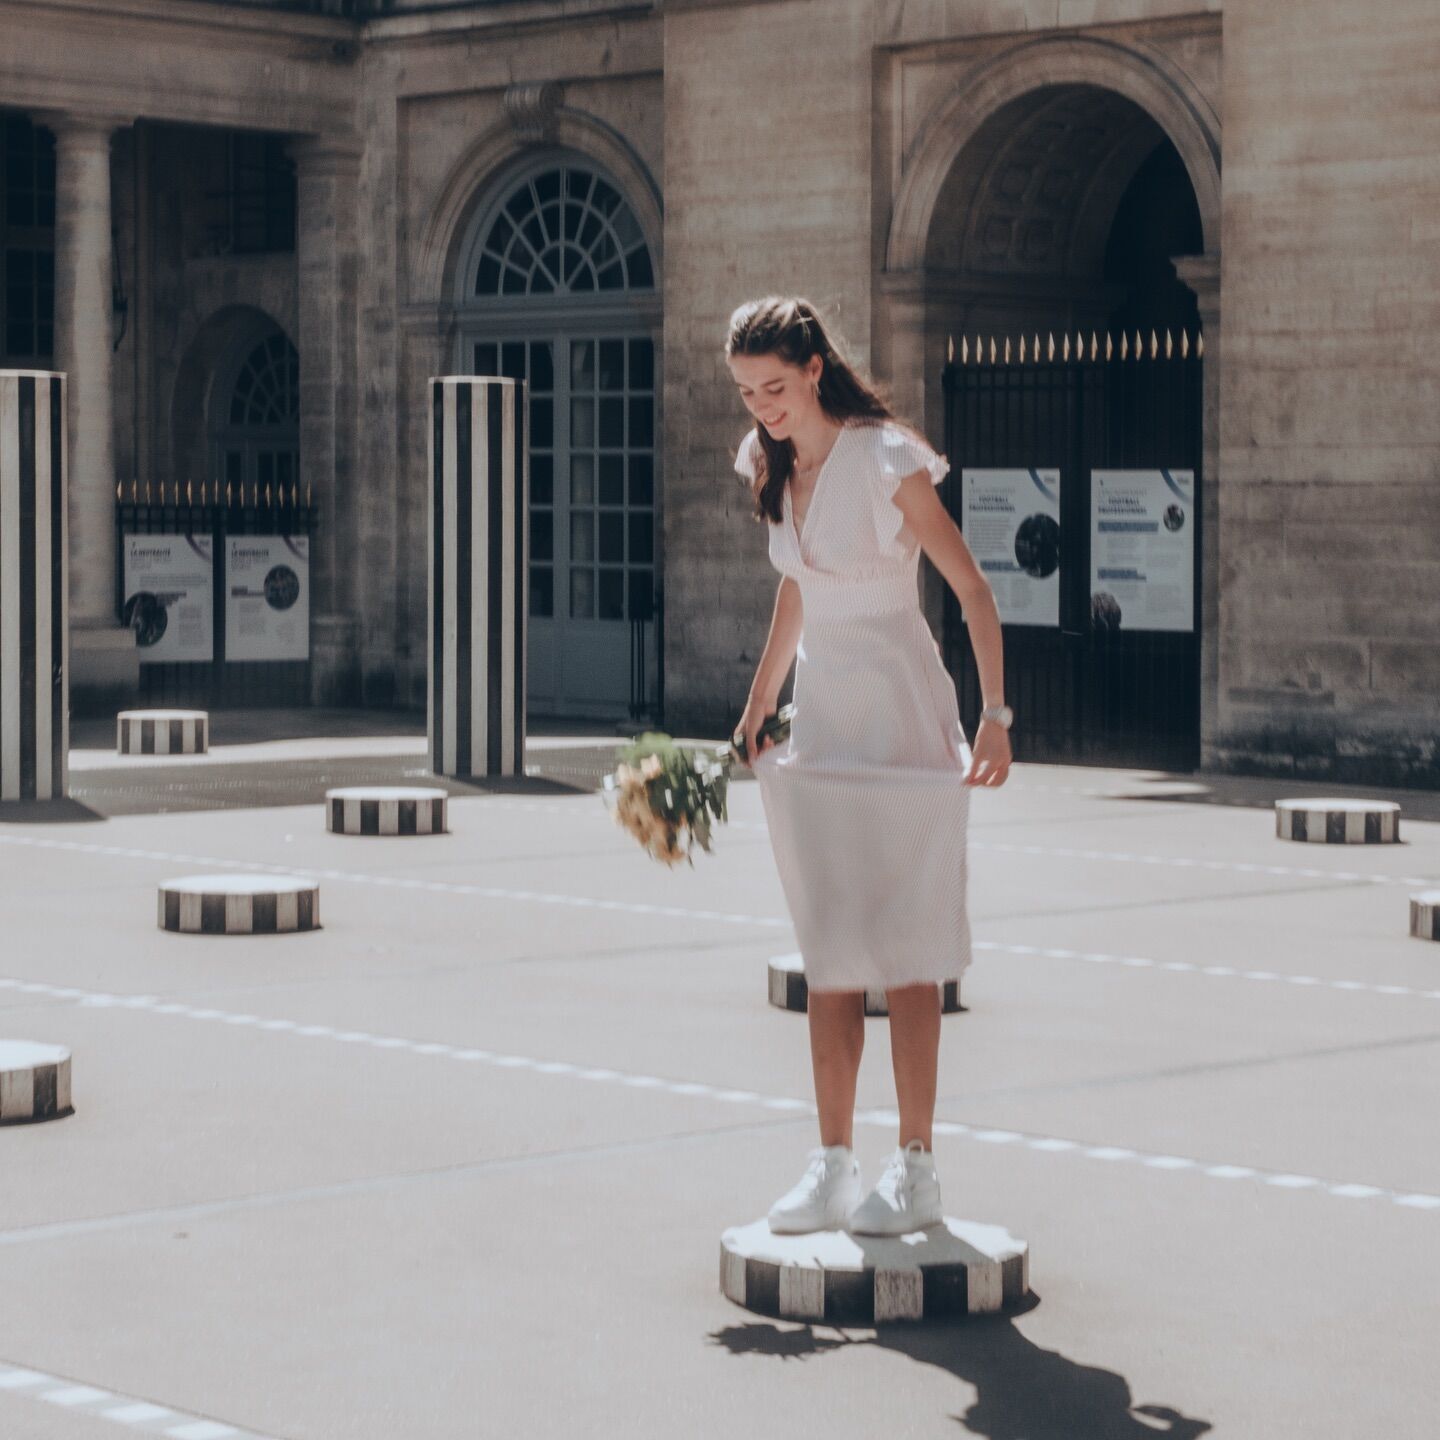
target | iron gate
[
  {"x": 203, "y": 510},
  {"x": 1083, "y": 692}
]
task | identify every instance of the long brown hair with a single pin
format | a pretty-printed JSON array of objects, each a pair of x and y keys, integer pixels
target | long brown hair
[{"x": 792, "y": 331}]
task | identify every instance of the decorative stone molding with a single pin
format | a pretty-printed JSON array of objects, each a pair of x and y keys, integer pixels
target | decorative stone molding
[
  {"x": 532, "y": 110},
  {"x": 1166, "y": 94}
]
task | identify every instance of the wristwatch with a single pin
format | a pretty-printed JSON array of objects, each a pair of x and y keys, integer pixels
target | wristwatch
[{"x": 1001, "y": 715}]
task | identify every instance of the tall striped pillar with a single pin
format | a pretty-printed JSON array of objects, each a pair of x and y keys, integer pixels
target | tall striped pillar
[
  {"x": 34, "y": 602},
  {"x": 479, "y": 578}
]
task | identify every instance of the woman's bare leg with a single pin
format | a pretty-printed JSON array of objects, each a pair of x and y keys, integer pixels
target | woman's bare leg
[
  {"x": 837, "y": 1038},
  {"x": 915, "y": 1052}
]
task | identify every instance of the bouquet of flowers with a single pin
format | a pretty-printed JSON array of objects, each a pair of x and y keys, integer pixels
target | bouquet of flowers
[{"x": 668, "y": 796}]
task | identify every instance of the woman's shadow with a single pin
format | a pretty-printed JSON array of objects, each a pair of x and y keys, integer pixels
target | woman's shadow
[{"x": 1023, "y": 1392}]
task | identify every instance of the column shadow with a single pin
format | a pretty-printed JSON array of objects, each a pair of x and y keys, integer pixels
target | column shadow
[
  {"x": 1023, "y": 1392},
  {"x": 47, "y": 812}
]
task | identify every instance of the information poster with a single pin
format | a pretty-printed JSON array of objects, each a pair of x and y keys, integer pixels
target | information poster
[
  {"x": 267, "y": 598},
  {"x": 170, "y": 596},
  {"x": 1142, "y": 550},
  {"x": 1011, "y": 523}
]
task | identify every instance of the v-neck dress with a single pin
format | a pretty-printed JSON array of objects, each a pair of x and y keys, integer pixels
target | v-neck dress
[{"x": 866, "y": 804}]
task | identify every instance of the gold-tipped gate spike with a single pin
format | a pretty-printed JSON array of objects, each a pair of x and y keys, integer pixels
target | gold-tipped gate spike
[
  {"x": 993, "y": 351},
  {"x": 1124, "y": 346},
  {"x": 1109, "y": 345},
  {"x": 1184, "y": 344},
  {"x": 1037, "y": 348},
  {"x": 1169, "y": 346},
  {"x": 1065, "y": 355},
  {"x": 1007, "y": 349},
  {"x": 1094, "y": 345},
  {"x": 1022, "y": 350},
  {"x": 1154, "y": 346},
  {"x": 1139, "y": 346},
  {"x": 950, "y": 350},
  {"x": 1200, "y": 345},
  {"x": 964, "y": 351}
]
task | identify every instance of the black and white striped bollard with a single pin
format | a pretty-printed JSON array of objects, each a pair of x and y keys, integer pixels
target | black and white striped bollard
[
  {"x": 790, "y": 991},
  {"x": 954, "y": 1268},
  {"x": 34, "y": 604},
  {"x": 34, "y": 1082},
  {"x": 1327, "y": 821},
  {"x": 1425, "y": 915},
  {"x": 479, "y": 576},
  {"x": 162, "y": 732},
  {"x": 239, "y": 905},
  {"x": 385, "y": 810}
]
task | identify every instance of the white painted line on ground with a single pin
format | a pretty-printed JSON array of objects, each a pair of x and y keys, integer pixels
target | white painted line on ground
[
  {"x": 1045, "y": 1144},
  {"x": 139, "y": 1417},
  {"x": 392, "y": 882},
  {"x": 1216, "y": 972}
]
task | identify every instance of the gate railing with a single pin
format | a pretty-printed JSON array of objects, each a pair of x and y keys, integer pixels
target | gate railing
[
  {"x": 217, "y": 511},
  {"x": 1079, "y": 403}
]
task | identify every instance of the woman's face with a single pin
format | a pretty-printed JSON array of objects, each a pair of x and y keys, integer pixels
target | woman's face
[{"x": 778, "y": 395}]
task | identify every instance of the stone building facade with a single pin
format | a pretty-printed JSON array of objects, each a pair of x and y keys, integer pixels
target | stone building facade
[{"x": 324, "y": 204}]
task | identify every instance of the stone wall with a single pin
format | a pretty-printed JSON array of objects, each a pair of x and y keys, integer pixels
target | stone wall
[
  {"x": 1330, "y": 409},
  {"x": 767, "y": 189}
]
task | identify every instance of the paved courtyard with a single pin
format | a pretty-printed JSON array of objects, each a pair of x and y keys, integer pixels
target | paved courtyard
[{"x": 457, "y": 1165}]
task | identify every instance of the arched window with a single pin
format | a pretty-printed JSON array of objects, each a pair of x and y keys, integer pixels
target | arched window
[
  {"x": 564, "y": 231},
  {"x": 255, "y": 416},
  {"x": 267, "y": 389}
]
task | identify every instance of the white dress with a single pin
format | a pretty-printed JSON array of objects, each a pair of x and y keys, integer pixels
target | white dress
[{"x": 865, "y": 801}]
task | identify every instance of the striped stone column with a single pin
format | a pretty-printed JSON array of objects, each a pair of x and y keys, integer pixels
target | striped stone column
[
  {"x": 479, "y": 578},
  {"x": 34, "y": 602}
]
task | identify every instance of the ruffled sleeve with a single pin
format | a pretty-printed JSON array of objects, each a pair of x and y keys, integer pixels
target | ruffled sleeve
[
  {"x": 745, "y": 461},
  {"x": 899, "y": 453}
]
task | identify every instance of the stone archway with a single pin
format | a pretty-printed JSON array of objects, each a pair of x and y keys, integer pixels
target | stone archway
[{"x": 1006, "y": 217}]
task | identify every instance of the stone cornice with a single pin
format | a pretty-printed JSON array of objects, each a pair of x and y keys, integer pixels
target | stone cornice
[
  {"x": 501, "y": 19},
  {"x": 199, "y": 15}
]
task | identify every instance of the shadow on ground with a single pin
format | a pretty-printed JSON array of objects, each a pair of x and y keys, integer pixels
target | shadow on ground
[
  {"x": 1023, "y": 1392},
  {"x": 48, "y": 812}
]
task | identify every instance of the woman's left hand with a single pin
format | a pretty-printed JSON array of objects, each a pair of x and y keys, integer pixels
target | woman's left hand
[{"x": 990, "y": 756}]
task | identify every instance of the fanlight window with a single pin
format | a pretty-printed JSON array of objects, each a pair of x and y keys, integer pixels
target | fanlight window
[
  {"x": 564, "y": 231},
  {"x": 267, "y": 390}
]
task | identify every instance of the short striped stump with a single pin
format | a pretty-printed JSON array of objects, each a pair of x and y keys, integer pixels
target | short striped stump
[
  {"x": 385, "y": 810},
  {"x": 1338, "y": 822},
  {"x": 239, "y": 905},
  {"x": 955, "y": 1268},
  {"x": 162, "y": 732},
  {"x": 789, "y": 991},
  {"x": 34, "y": 1082},
  {"x": 1425, "y": 915}
]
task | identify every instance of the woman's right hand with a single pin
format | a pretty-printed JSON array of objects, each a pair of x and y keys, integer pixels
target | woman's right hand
[{"x": 757, "y": 711}]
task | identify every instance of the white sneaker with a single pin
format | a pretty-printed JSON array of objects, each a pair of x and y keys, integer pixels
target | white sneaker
[
  {"x": 823, "y": 1197},
  {"x": 906, "y": 1197}
]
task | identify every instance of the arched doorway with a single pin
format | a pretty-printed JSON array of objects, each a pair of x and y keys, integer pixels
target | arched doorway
[
  {"x": 1073, "y": 192},
  {"x": 254, "y": 417},
  {"x": 557, "y": 287}
]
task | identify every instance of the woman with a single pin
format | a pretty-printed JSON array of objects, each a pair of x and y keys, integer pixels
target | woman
[{"x": 867, "y": 801}]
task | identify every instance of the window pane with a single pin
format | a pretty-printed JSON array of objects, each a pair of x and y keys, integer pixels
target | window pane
[
  {"x": 582, "y": 423},
  {"x": 582, "y": 365},
  {"x": 582, "y": 594},
  {"x": 642, "y": 480},
  {"x": 612, "y": 480},
  {"x": 512, "y": 359},
  {"x": 612, "y": 595},
  {"x": 542, "y": 591},
  {"x": 612, "y": 364},
  {"x": 642, "y": 365},
  {"x": 487, "y": 277},
  {"x": 542, "y": 535},
  {"x": 542, "y": 479},
  {"x": 582, "y": 479},
  {"x": 582, "y": 537},
  {"x": 642, "y": 272},
  {"x": 542, "y": 366},
  {"x": 642, "y": 594},
  {"x": 542, "y": 423},
  {"x": 612, "y": 537},
  {"x": 642, "y": 538},
  {"x": 612, "y": 422},
  {"x": 487, "y": 360},
  {"x": 642, "y": 423}
]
